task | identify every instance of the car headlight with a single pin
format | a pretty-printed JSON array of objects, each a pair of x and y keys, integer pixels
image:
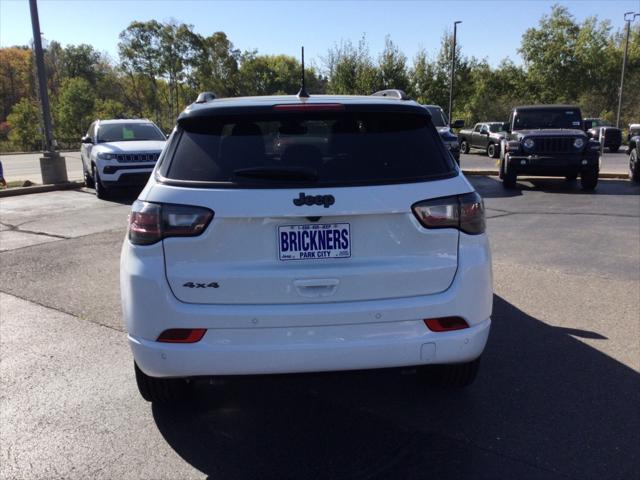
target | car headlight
[
  {"x": 529, "y": 143},
  {"x": 106, "y": 156},
  {"x": 578, "y": 143}
]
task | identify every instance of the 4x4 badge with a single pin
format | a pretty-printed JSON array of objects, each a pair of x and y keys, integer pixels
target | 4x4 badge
[
  {"x": 326, "y": 200},
  {"x": 201, "y": 285}
]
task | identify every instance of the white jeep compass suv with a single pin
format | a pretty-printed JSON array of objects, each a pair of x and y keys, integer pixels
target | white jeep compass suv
[
  {"x": 120, "y": 153},
  {"x": 367, "y": 250}
]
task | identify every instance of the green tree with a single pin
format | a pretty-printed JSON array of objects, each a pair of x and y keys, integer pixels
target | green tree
[
  {"x": 80, "y": 61},
  {"x": 24, "y": 121},
  {"x": 139, "y": 50},
  {"x": 275, "y": 75},
  {"x": 74, "y": 109},
  {"x": 216, "y": 65},
  {"x": 107, "y": 109},
  {"x": 351, "y": 70},
  {"x": 393, "y": 67}
]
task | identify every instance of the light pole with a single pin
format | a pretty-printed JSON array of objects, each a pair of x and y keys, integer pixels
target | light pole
[
  {"x": 453, "y": 68},
  {"x": 628, "y": 18},
  {"x": 52, "y": 165}
]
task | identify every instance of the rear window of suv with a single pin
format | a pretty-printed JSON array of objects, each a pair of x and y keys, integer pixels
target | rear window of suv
[{"x": 311, "y": 148}]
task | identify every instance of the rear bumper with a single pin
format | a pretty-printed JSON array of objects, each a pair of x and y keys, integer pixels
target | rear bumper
[
  {"x": 310, "y": 349},
  {"x": 289, "y": 338}
]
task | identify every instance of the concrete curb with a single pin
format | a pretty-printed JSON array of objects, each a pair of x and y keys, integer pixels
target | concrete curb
[
  {"x": 10, "y": 192},
  {"x": 494, "y": 173},
  {"x": 35, "y": 153}
]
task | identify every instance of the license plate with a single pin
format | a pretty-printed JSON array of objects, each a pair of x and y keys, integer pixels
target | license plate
[{"x": 314, "y": 241}]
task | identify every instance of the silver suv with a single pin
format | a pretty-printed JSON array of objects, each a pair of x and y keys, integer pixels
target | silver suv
[{"x": 120, "y": 153}]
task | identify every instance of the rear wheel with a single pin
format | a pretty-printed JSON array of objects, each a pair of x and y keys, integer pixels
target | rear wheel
[
  {"x": 614, "y": 148},
  {"x": 634, "y": 167},
  {"x": 456, "y": 375},
  {"x": 493, "y": 151},
  {"x": 160, "y": 390},
  {"x": 464, "y": 146},
  {"x": 589, "y": 180}
]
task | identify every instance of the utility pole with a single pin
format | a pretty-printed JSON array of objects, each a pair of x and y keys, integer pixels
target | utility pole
[
  {"x": 52, "y": 165},
  {"x": 628, "y": 18},
  {"x": 453, "y": 68}
]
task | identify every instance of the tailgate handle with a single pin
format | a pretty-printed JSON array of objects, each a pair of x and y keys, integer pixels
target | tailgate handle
[{"x": 319, "y": 287}]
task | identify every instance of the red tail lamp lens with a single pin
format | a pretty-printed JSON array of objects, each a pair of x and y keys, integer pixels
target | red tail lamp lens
[
  {"x": 182, "y": 335},
  {"x": 445, "y": 324}
]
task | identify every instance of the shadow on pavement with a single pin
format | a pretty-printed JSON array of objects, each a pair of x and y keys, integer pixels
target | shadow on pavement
[
  {"x": 491, "y": 187},
  {"x": 123, "y": 196},
  {"x": 545, "y": 405}
]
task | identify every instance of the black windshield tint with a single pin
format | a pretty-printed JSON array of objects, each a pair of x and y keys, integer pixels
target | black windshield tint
[
  {"x": 122, "y": 132},
  {"x": 438, "y": 117},
  {"x": 332, "y": 148},
  {"x": 497, "y": 127},
  {"x": 550, "y": 118}
]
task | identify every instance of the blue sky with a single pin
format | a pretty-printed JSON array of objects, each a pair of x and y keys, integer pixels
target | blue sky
[{"x": 490, "y": 29}]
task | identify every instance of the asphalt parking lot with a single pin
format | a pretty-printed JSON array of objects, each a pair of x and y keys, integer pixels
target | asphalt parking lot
[{"x": 557, "y": 395}]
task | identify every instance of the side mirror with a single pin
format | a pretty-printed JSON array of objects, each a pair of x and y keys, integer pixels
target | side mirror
[
  {"x": 457, "y": 124},
  {"x": 86, "y": 139}
]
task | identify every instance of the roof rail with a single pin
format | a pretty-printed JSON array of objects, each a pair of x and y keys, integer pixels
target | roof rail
[
  {"x": 392, "y": 93},
  {"x": 205, "y": 97}
]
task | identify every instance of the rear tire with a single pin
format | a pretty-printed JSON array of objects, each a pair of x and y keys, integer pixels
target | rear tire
[
  {"x": 160, "y": 390},
  {"x": 493, "y": 151},
  {"x": 614, "y": 149},
  {"x": 589, "y": 180},
  {"x": 464, "y": 147},
  {"x": 455, "y": 375}
]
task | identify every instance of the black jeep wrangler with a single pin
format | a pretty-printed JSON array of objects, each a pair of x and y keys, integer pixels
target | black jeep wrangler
[{"x": 548, "y": 140}]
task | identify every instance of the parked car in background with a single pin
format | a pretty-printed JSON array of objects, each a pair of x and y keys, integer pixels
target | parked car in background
[
  {"x": 120, "y": 153},
  {"x": 450, "y": 139},
  {"x": 609, "y": 136},
  {"x": 634, "y": 131},
  {"x": 365, "y": 251},
  {"x": 632, "y": 150},
  {"x": 485, "y": 136},
  {"x": 548, "y": 140}
]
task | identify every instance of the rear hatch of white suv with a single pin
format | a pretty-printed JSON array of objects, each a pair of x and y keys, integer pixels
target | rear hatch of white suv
[{"x": 331, "y": 215}]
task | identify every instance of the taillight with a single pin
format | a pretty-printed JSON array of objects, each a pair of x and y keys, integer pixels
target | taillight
[
  {"x": 446, "y": 324},
  {"x": 464, "y": 212},
  {"x": 182, "y": 335},
  {"x": 151, "y": 222}
]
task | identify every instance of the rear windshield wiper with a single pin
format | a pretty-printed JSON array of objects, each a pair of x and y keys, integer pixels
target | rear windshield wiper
[{"x": 278, "y": 173}]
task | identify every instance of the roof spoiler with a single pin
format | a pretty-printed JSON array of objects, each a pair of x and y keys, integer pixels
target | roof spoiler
[
  {"x": 205, "y": 97},
  {"x": 392, "y": 93}
]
